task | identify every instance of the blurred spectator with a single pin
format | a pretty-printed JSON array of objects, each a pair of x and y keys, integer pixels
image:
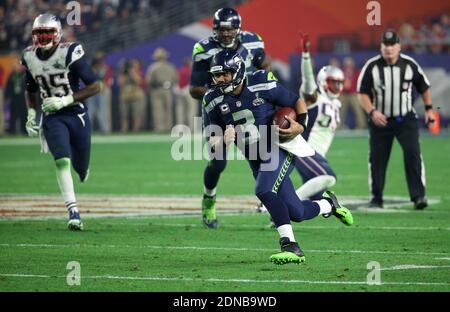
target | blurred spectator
[
  {"x": 437, "y": 36},
  {"x": 2, "y": 84},
  {"x": 96, "y": 104},
  {"x": 334, "y": 62},
  {"x": 445, "y": 23},
  {"x": 407, "y": 34},
  {"x": 132, "y": 96},
  {"x": 349, "y": 97},
  {"x": 187, "y": 106},
  {"x": 14, "y": 96},
  {"x": 161, "y": 78},
  {"x": 421, "y": 41}
]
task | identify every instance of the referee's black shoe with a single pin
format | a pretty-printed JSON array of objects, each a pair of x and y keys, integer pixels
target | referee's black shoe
[
  {"x": 375, "y": 203},
  {"x": 420, "y": 203}
]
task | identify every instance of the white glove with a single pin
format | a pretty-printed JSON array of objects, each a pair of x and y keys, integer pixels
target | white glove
[
  {"x": 215, "y": 141},
  {"x": 31, "y": 126},
  {"x": 53, "y": 104},
  {"x": 229, "y": 135}
]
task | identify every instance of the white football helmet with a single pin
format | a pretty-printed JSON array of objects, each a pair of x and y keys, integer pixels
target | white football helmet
[
  {"x": 47, "y": 31},
  {"x": 331, "y": 81}
]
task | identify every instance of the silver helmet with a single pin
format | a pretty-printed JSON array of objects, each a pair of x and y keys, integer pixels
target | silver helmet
[
  {"x": 47, "y": 31},
  {"x": 331, "y": 81}
]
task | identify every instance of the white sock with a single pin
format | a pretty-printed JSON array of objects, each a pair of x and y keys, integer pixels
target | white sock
[
  {"x": 65, "y": 182},
  {"x": 324, "y": 206},
  {"x": 209, "y": 192},
  {"x": 285, "y": 230},
  {"x": 315, "y": 185}
]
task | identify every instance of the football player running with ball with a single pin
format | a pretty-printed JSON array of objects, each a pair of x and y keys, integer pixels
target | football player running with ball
[
  {"x": 323, "y": 119},
  {"x": 54, "y": 69},
  {"x": 238, "y": 105}
]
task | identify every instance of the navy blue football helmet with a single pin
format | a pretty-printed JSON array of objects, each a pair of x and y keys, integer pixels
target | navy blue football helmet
[
  {"x": 227, "y": 61},
  {"x": 226, "y": 26}
]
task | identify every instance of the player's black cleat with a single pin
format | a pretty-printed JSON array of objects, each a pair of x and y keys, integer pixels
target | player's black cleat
[
  {"x": 290, "y": 253},
  {"x": 420, "y": 203}
]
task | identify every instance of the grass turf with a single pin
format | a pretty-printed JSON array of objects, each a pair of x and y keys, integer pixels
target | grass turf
[{"x": 178, "y": 254}]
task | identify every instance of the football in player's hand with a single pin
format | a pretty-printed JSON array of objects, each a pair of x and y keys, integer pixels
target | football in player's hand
[{"x": 278, "y": 117}]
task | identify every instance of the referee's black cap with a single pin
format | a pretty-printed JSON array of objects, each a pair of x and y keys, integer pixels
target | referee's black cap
[{"x": 390, "y": 37}]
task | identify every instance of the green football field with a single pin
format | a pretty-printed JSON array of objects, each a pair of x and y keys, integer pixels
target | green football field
[{"x": 143, "y": 232}]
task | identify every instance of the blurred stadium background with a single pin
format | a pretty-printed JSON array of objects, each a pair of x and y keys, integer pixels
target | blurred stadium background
[{"x": 118, "y": 32}]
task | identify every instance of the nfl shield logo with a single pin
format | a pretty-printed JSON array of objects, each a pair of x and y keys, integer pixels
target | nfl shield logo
[{"x": 238, "y": 104}]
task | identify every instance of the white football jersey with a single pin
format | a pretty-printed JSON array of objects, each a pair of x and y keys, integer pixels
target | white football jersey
[
  {"x": 324, "y": 114},
  {"x": 52, "y": 74}
]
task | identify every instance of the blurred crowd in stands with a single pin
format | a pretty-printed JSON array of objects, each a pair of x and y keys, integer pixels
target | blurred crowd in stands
[
  {"x": 16, "y": 16},
  {"x": 156, "y": 98},
  {"x": 427, "y": 36}
]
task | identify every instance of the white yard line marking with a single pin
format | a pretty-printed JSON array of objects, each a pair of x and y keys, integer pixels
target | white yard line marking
[
  {"x": 317, "y": 227},
  {"x": 26, "y": 245},
  {"x": 224, "y": 280},
  {"x": 444, "y": 258},
  {"x": 414, "y": 267}
]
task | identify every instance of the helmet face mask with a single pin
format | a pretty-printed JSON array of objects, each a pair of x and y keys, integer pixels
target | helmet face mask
[
  {"x": 330, "y": 80},
  {"x": 223, "y": 80},
  {"x": 226, "y": 27},
  {"x": 46, "y": 32},
  {"x": 335, "y": 86},
  {"x": 227, "y": 70}
]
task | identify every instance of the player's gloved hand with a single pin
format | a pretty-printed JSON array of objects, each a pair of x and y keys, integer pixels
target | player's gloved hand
[
  {"x": 30, "y": 125},
  {"x": 229, "y": 135},
  {"x": 53, "y": 104},
  {"x": 305, "y": 44},
  {"x": 294, "y": 129},
  {"x": 214, "y": 141}
]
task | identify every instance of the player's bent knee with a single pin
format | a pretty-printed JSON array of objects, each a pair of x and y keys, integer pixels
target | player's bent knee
[
  {"x": 62, "y": 163},
  {"x": 330, "y": 180}
]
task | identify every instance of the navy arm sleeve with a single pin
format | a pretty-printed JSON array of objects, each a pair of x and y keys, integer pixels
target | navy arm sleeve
[
  {"x": 30, "y": 84},
  {"x": 200, "y": 74},
  {"x": 82, "y": 69},
  {"x": 280, "y": 96}
]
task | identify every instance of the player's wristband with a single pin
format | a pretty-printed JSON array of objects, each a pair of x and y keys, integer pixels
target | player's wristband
[
  {"x": 428, "y": 107},
  {"x": 371, "y": 112},
  {"x": 302, "y": 119}
]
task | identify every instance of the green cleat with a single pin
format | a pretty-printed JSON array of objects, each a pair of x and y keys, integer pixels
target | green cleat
[
  {"x": 209, "y": 212},
  {"x": 340, "y": 212},
  {"x": 290, "y": 253}
]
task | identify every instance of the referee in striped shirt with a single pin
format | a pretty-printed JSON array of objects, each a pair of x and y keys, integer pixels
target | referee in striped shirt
[{"x": 385, "y": 93}]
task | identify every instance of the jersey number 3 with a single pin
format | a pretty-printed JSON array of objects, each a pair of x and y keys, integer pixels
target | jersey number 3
[{"x": 248, "y": 127}]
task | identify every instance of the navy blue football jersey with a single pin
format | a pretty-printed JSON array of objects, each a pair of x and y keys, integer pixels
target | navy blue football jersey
[
  {"x": 254, "y": 107},
  {"x": 250, "y": 47}
]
